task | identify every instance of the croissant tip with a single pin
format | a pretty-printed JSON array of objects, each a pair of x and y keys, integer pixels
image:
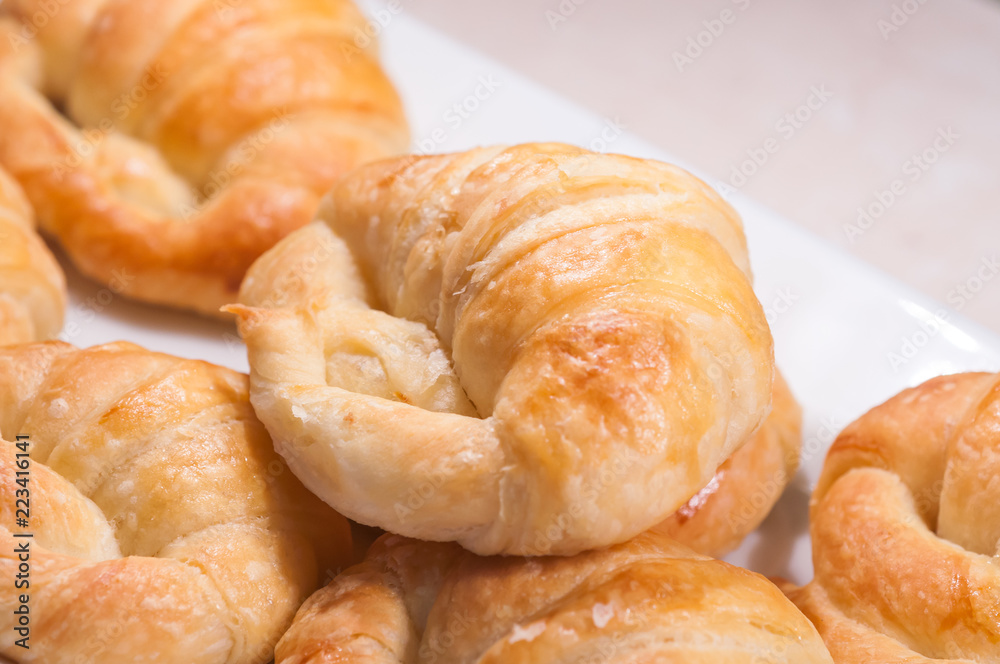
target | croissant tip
[{"x": 244, "y": 314}]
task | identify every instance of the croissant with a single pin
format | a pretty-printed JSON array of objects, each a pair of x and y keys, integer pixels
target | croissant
[
  {"x": 165, "y": 528},
  {"x": 745, "y": 488},
  {"x": 649, "y": 600},
  {"x": 906, "y": 529},
  {"x": 32, "y": 287},
  {"x": 198, "y": 133},
  {"x": 528, "y": 350}
]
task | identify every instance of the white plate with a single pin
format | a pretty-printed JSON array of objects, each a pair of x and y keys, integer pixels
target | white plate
[{"x": 836, "y": 320}]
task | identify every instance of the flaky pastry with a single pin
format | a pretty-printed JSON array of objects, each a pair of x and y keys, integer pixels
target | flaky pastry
[
  {"x": 32, "y": 287},
  {"x": 906, "y": 529},
  {"x": 746, "y": 487},
  {"x": 528, "y": 350},
  {"x": 649, "y": 600},
  {"x": 197, "y": 132},
  {"x": 165, "y": 528}
]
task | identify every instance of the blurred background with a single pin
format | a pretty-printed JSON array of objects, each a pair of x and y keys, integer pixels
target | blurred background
[{"x": 873, "y": 123}]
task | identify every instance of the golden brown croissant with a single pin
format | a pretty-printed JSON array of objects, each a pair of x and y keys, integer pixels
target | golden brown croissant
[
  {"x": 165, "y": 527},
  {"x": 906, "y": 529},
  {"x": 649, "y": 600},
  {"x": 527, "y": 350},
  {"x": 32, "y": 287},
  {"x": 207, "y": 130},
  {"x": 745, "y": 488}
]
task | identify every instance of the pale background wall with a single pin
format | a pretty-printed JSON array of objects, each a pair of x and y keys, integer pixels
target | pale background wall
[{"x": 890, "y": 92}]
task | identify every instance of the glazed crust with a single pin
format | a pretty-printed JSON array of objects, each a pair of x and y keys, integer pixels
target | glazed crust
[
  {"x": 905, "y": 529},
  {"x": 648, "y": 600},
  {"x": 527, "y": 350},
  {"x": 32, "y": 286},
  {"x": 198, "y": 134},
  {"x": 165, "y": 527},
  {"x": 745, "y": 488}
]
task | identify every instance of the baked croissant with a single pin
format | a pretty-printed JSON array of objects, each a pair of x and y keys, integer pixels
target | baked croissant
[
  {"x": 745, "y": 488},
  {"x": 198, "y": 133},
  {"x": 528, "y": 350},
  {"x": 165, "y": 527},
  {"x": 32, "y": 287},
  {"x": 906, "y": 529},
  {"x": 649, "y": 600}
]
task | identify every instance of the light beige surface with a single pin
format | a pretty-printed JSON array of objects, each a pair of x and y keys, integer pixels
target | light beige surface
[{"x": 892, "y": 91}]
